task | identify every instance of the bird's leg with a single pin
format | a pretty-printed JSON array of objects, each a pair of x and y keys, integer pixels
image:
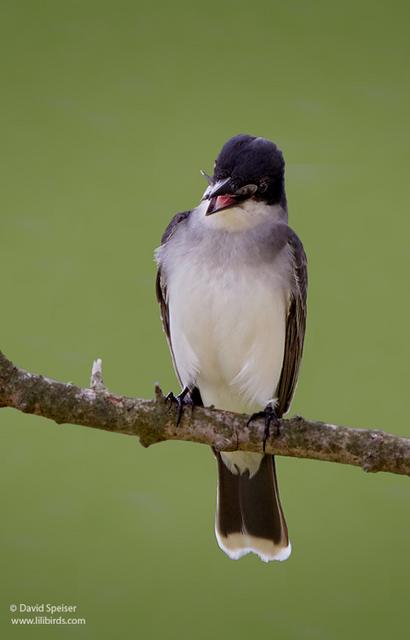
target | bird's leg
[
  {"x": 182, "y": 400},
  {"x": 270, "y": 416}
]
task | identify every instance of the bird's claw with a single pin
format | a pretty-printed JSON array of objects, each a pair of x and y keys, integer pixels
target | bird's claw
[
  {"x": 270, "y": 417},
  {"x": 182, "y": 400}
]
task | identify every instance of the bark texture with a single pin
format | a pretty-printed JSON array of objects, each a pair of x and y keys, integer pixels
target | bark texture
[{"x": 155, "y": 421}]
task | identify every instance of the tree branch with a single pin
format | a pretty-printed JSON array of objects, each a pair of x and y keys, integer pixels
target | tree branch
[{"x": 155, "y": 421}]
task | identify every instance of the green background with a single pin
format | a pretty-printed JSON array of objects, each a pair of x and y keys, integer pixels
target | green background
[{"x": 108, "y": 111}]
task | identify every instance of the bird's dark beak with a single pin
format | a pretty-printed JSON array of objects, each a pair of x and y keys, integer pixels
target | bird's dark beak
[{"x": 219, "y": 196}]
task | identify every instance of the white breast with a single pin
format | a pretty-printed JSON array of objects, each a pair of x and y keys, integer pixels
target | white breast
[{"x": 227, "y": 316}]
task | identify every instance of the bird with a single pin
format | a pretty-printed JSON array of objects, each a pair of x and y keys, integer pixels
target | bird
[{"x": 232, "y": 289}]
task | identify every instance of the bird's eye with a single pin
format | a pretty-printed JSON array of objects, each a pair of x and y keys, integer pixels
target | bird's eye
[{"x": 247, "y": 190}]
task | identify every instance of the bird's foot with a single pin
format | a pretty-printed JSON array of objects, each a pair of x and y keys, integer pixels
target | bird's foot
[
  {"x": 182, "y": 400},
  {"x": 271, "y": 418}
]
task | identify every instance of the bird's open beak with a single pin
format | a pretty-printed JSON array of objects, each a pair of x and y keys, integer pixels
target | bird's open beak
[
  {"x": 217, "y": 203},
  {"x": 219, "y": 197}
]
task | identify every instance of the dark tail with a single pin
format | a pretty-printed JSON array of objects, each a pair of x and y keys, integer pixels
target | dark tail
[{"x": 249, "y": 515}]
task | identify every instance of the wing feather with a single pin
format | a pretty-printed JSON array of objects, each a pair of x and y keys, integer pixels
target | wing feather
[
  {"x": 161, "y": 285},
  {"x": 295, "y": 326}
]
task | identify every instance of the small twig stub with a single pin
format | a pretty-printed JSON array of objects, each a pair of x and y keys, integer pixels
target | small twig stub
[{"x": 97, "y": 382}]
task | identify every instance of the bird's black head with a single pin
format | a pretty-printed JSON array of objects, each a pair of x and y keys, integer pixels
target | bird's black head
[{"x": 247, "y": 167}]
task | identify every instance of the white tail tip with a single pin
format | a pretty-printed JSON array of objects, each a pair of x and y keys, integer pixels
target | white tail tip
[{"x": 237, "y": 545}]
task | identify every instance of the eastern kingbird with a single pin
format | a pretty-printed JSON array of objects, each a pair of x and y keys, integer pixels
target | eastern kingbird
[{"x": 231, "y": 284}]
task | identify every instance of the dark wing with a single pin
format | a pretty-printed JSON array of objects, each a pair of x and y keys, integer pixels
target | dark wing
[
  {"x": 171, "y": 228},
  {"x": 161, "y": 285},
  {"x": 295, "y": 326}
]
